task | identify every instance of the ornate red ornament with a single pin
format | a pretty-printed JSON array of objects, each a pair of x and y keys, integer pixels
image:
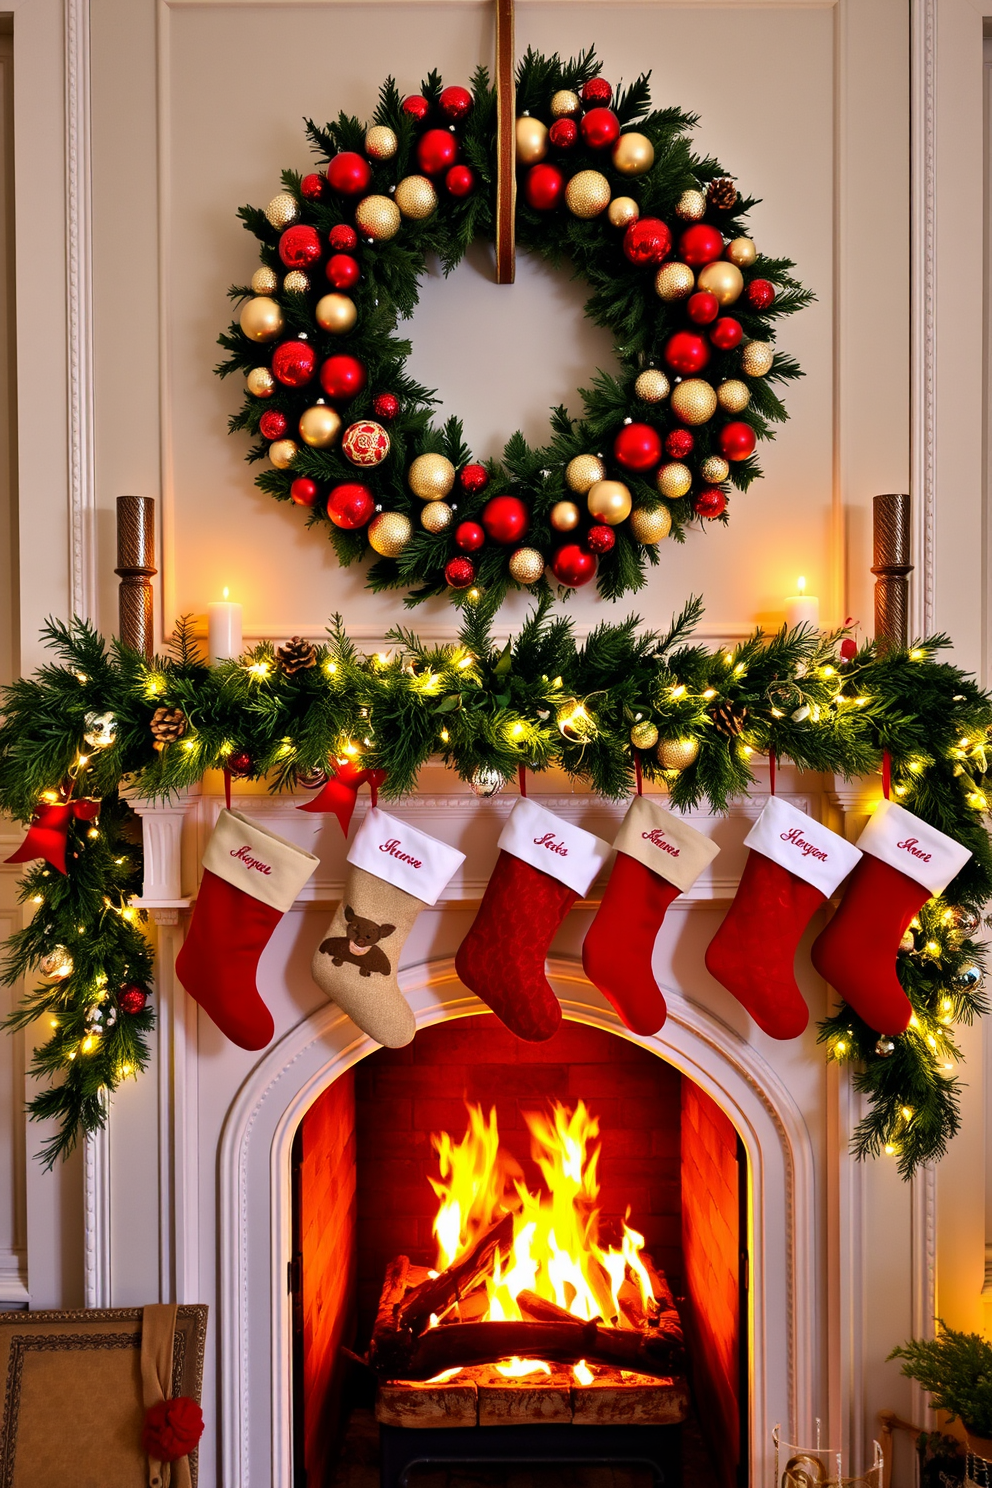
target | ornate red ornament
[
  {"x": 573, "y": 565},
  {"x": 172, "y": 1428},
  {"x": 299, "y": 246},
  {"x": 702, "y": 307},
  {"x": 760, "y": 293},
  {"x": 303, "y": 491},
  {"x": 709, "y": 502},
  {"x": 312, "y": 186},
  {"x": 686, "y": 353},
  {"x": 342, "y": 271},
  {"x": 469, "y": 536},
  {"x": 455, "y": 103},
  {"x": 737, "y": 440},
  {"x": 596, "y": 91},
  {"x": 272, "y": 424},
  {"x": 726, "y": 333},
  {"x": 416, "y": 106},
  {"x": 473, "y": 478},
  {"x": 342, "y": 238},
  {"x": 563, "y": 133},
  {"x": 365, "y": 443},
  {"x": 700, "y": 244},
  {"x": 679, "y": 443},
  {"x": 132, "y": 1000},
  {"x": 459, "y": 180},
  {"x": 386, "y": 406},
  {"x": 505, "y": 519},
  {"x": 544, "y": 187},
  {"x": 239, "y": 763},
  {"x": 342, "y": 377},
  {"x": 349, "y": 173},
  {"x": 647, "y": 241},
  {"x": 459, "y": 573},
  {"x": 294, "y": 363},
  {"x": 600, "y": 539},
  {"x": 350, "y": 505},
  {"x": 436, "y": 151},
  {"x": 637, "y": 447},
  {"x": 600, "y": 128}
]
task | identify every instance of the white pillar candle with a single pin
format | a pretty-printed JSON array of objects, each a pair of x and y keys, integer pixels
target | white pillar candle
[
  {"x": 802, "y": 608},
  {"x": 223, "y": 630}
]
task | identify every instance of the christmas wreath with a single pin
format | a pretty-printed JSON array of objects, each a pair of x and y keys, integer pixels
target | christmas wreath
[{"x": 605, "y": 183}]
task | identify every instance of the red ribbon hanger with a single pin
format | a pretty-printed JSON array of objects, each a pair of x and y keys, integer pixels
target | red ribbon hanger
[
  {"x": 340, "y": 793},
  {"x": 49, "y": 830}
]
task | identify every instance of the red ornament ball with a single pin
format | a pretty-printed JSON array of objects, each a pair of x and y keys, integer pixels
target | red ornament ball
[
  {"x": 342, "y": 238},
  {"x": 459, "y": 180},
  {"x": 678, "y": 444},
  {"x": 702, "y": 307},
  {"x": 386, "y": 406},
  {"x": 459, "y": 573},
  {"x": 760, "y": 293},
  {"x": 272, "y": 425},
  {"x": 544, "y": 187},
  {"x": 473, "y": 478},
  {"x": 299, "y": 246},
  {"x": 726, "y": 333},
  {"x": 343, "y": 377},
  {"x": 455, "y": 103},
  {"x": 303, "y": 491},
  {"x": 342, "y": 271},
  {"x": 469, "y": 536},
  {"x": 686, "y": 353},
  {"x": 172, "y": 1428},
  {"x": 417, "y": 106},
  {"x": 239, "y": 763},
  {"x": 596, "y": 91},
  {"x": 350, "y": 505},
  {"x": 573, "y": 565},
  {"x": 294, "y": 363},
  {"x": 737, "y": 440},
  {"x": 700, "y": 244},
  {"x": 505, "y": 518},
  {"x": 365, "y": 443},
  {"x": 709, "y": 502},
  {"x": 637, "y": 447},
  {"x": 848, "y": 648},
  {"x": 349, "y": 173},
  {"x": 436, "y": 151},
  {"x": 600, "y": 128},
  {"x": 563, "y": 133},
  {"x": 647, "y": 241},
  {"x": 311, "y": 186},
  {"x": 132, "y": 1000},
  {"x": 600, "y": 539}
]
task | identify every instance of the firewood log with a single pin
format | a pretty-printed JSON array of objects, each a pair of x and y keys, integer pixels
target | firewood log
[{"x": 437, "y": 1294}]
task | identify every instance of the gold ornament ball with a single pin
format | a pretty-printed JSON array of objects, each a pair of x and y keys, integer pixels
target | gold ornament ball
[
  {"x": 757, "y": 358},
  {"x": 296, "y": 282},
  {"x": 644, "y": 735},
  {"x": 742, "y": 252},
  {"x": 565, "y": 102},
  {"x": 565, "y": 516},
  {"x": 336, "y": 313},
  {"x": 674, "y": 281},
  {"x": 320, "y": 426},
  {"x": 623, "y": 211},
  {"x": 431, "y": 477},
  {"x": 690, "y": 206},
  {"x": 389, "y": 533},
  {"x": 377, "y": 217},
  {"x": 677, "y": 754},
  {"x": 649, "y": 526},
  {"x": 584, "y": 471},
  {"x": 609, "y": 501},
  {"x": 260, "y": 382},
  {"x": 733, "y": 395},
  {"x": 261, "y": 319},
  {"x": 652, "y": 386},
  {"x": 436, "y": 516},
  {"x": 526, "y": 565},
  {"x": 693, "y": 401},
  {"x": 673, "y": 481},
  {"x": 532, "y": 141},
  {"x": 416, "y": 197},
  {"x": 282, "y": 453},
  {"x": 633, "y": 154},
  {"x": 264, "y": 281},
  {"x": 587, "y": 194},
  {"x": 283, "y": 210},
  {"x": 714, "y": 469},
  {"x": 380, "y": 142},
  {"x": 722, "y": 279}
]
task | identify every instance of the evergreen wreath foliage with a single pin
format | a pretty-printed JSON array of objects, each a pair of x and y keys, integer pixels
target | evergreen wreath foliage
[{"x": 956, "y": 1371}]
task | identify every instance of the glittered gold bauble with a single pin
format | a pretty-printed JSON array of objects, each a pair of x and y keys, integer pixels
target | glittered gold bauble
[
  {"x": 714, "y": 469},
  {"x": 264, "y": 281},
  {"x": 693, "y": 401},
  {"x": 652, "y": 386},
  {"x": 757, "y": 358},
  {"x": 283, "y": 209},
  {"x": 261, "y": 319},
  {"x": 389, "y": 533},
  {"x": 320, "y": 426},
  {"x": 633, "y": 154},
  {"x": 565, "y": 516},
  {"x": 416, "y": 197},
  {"x": 336, "y": 313},
  {"x": 526, "y": 565},
  {"x": 674, "y": 480},
  {"x": 677, "y": 754},
  {"x": 260, "y": 382},
  {"x": 436, "y": 516},
  {"x": 648, "y": 527},
  {"x": 584, "y": 471},
  {"x": 742, "y": 252},
  {"x": 644, "y": 735},
  {"x": 431, "y": 477},
  {"x": 690, "y": 206},
  {"x": 532, "y": 141},
  {"x": 623, "y": 211},
  {"x": 380, "y": 142},
  {"x": 674, "y": 281},
  {"x": 296, "y": 282},
  {"x": 565, "y": 102},
  {"x": 282, "y": 453},
  {"x": 609, "y": 501},
  {"x": 377, "y": 217},
  {"x": 733, "y": 395},
  {"x": 587, "y": 194},
  {"x": 722, "y": 279}
]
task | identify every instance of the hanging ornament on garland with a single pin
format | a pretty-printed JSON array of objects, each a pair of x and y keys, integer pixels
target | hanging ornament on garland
[{"x": 486, "y": 782}]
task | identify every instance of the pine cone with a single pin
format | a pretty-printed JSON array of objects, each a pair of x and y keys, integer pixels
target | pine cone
[
  {"x": 728, "y": 718},
  {"x": 296, "y": 656},
  {"x": 167, "y": 725},
  {"x": 721, "y": 194}
]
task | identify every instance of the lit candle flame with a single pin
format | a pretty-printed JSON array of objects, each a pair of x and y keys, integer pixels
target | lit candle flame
[
  {"x": 226, "y": 591},
  {"x": 800, "y": 584}
]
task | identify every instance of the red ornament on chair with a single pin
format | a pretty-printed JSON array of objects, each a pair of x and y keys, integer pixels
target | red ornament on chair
[
  {"x": 350, "y": 505},
  {"x": 294, "y": 363},
  {"x": 342, "y": 377},
  {"x": 637, "y": 447},
  {"x": 436, "y": 151},
  {"x": 349, "y": 173},
  {"x": 299, "y": 246},
  {"x": 505, "y": 519},
  {"x": 544, "y": 186},
  {"x": 600, "y": 127},
  {"x": 737, "y": 440},
  {"x": 700, "y": 244},
  {"x": 686, "y": 353},
  {"x": 342, "y": 238},
  {"x": 342, "y": 271},
  {"x": 647, "y": 241},
  {"x": 573, "y": 565},
  {"x": 172, "y": 1428}
]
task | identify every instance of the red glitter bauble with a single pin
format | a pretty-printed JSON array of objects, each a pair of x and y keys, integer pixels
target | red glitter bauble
[
  {"x": 455, "y": 103},
  {"x": 132, "y": 1000},
  {"x": 637, "y": 447},
  {"x": 459, "y": 573},
  {"x": 700, "y": 244},
  {"x": 273, "y": 424},
  {"x": 459, "y": 180},
  {"x": 709, "y": 502},
  {"x": 563, "y": 133},
  {"x": 342, "y": 238},
  {"x": 600, "y": 539},
  {"x": 686, "y": 353},
  {"x": 473, "y": 478},
  {"x": 506, "y": 519},
  {"x": 600, "y": 127},
  {"x": 303, "y": 491},
  {"x": 737, "y": 440},
  {"x": 678, "y": 444},
  {"x": 342, "y": 377},
  {"x": 702, "y": 307},
  {"x": 469, "y": 536},
  {"x": 312, "y": 186},
  {"x": 238, "y": 763},
  {"x": 573, "y": 565},
  {"x": 647, "y": 241},
  {"x": 299, "y": 246},
  {"x": 436, "y": 151},
  {"x": 350, "y": 505},
  {"x": 349, "y": 173},
  {"x": 760, "y": 293},
  {"x": 726, "y": 333},
  {"x": 416, "y": 105},
  {"x": 544, "y": 186},
  {"x": 385, "y": 406},
  {"x": 342, "y": 271},
  {"x": 597, "y": 91},
  {"x": 294, "y": 363}
]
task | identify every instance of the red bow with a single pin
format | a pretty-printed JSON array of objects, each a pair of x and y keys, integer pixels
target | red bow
[
  {"x": 49, "y": 830},
  {"x": 341, "y": 791}
]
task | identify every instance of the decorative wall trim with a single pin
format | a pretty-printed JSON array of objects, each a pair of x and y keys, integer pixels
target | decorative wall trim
[
  {"x": 923, "y": 317},
  {"x": 79, "y": 310},
  {"x": 924, "y": 1263},
  {"x": 96, "y": 1219}
]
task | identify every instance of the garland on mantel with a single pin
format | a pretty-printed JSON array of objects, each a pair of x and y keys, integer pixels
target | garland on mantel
[{"x": 102, "y": 718}]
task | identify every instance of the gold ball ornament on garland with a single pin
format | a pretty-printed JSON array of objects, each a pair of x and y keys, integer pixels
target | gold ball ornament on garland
[
  {"x": 623, "y": 211},
  {"x": 722, "y": 279},
  {"x": 380, "y": 142},
  {"x": 609, "y": 501},
  {"x": 282, "y": 453},
  {"x": 431, "y": 477},
  {"x": 757, "y": 358},
  {"x": 264, "y": 281},
  {"x": 261, "y": 319},
  {"x": 691, "y": 206},
  {"x": 587, "y": 194},
  {"x": 389, "y": 533},
  {"x": 644, "y": 735},
  {"x": 378, "y": 217},
  {"x": 336, "y": 314},
  {"x": 674, "y": 481},
  {"x": 283, "y": 210},
  {"x": 733, "y": 395},
  {"x": 649, "y": 526},
  {"x": 674, "y": 281},
  {"x": 526, "y": 565},
  {"x": 260, "y": 382},
  {"x": 693, "y": 401},
  {"x": 532, "y": 141},
  {"x": 633, "y": 154},
  {"x": 565, "y": 102},
  {"x": 677, "y": 754},
  {"x": 652, "y": 386},
  {"x": 714, "y": 469},
  {"x": 584, "y": 471},
  {"x": 565, "y": 516},
  {"x": 416, "y": 197},
  {"x": 742, "y": 252},
  {"x": 296, "y": 282},
  {"x": 436, "y": 516},
  {"x": 320, "y": 426}
]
